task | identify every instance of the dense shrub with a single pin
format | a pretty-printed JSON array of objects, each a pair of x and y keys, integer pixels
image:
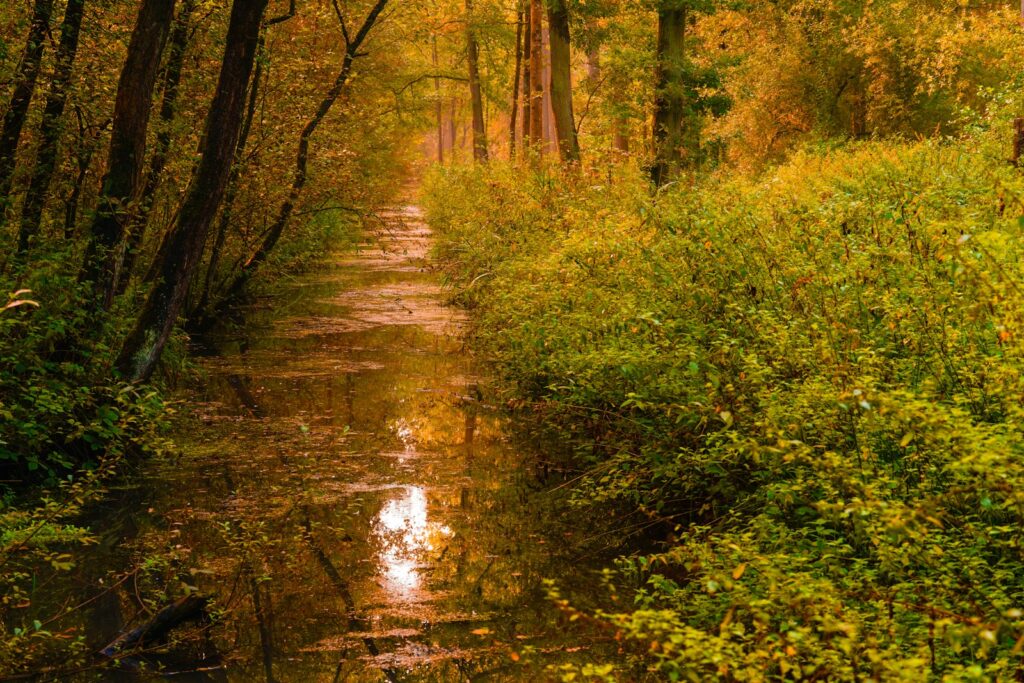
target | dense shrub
[{"x": 811, "y": 381}]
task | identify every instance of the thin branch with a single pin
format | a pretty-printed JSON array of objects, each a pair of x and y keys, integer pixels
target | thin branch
[{"x": 283, "y": 17}]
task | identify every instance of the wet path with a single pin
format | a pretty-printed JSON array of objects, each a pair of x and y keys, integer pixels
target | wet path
[{"x": 349, "y": 500}]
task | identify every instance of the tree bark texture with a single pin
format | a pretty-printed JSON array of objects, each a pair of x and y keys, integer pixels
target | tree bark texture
[
  {"x": 52, "y": 125},
  {"x": 127, "y": 153},
  {"x": 168, "y": 107},
  {"x": 144, "y": 345},
  {"x": 561, "y": 82},
  {"x": 670, "y": 101},
  {"x": 475, "y": 97},
  {"x": 536, "y": 134},
  {"x": 21, "y": 97}
]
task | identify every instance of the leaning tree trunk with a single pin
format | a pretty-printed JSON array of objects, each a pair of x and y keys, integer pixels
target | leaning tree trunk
[
  {"x": 127, "y": 146},
  {"x": 24, "y": 88},
  {"x": 302, "y": 160},
  {"x": 536, "y": 75},
  {"x": 670, "y": 100},
  {"x": 145, "y": 344},
  {"x": 50, "y": 130},
  {"x": 234, "y": 181},
  {"x": 561, "y": 82},
  {"x": 475, "y": 97},
  {"x": 515, "y": 85},
  {"x": 168, "y": 107}
]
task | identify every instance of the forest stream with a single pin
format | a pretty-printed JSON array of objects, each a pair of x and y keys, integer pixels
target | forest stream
[{"x": 348, "y": 499}]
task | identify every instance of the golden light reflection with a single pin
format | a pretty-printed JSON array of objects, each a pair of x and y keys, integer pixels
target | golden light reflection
[{"x": 407, "y": 537}]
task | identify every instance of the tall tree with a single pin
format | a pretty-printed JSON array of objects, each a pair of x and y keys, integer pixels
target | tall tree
[
  {"x": 234, "y": 179},
  {"x": 561, "y": 81},
  {"x": 536, "y": 74},
  {"x": 670, "y": 98},
  {"x": 158, "y": 161},
  {"x": 52, "y": 124},
  {"x": 437, "y": 99},
  {"x": 145, "y": 344},
  {"x": 515, "y": 84},
  {"x": 527, "y": 86},
  {"x": 21, "y": 96},
  {"x": 475, "y": 97},
  {"x": 273, "y": 235},
  {"x": 127, "y": 146}
]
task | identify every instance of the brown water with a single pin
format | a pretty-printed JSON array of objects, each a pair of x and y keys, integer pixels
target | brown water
[{"x": 351, "y": 501}]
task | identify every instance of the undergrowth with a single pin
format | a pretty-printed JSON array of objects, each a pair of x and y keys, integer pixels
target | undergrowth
[{"x": 810, "y": 382}]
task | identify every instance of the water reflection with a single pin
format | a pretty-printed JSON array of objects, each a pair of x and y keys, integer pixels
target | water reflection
[{"x": 407, "y": 537}]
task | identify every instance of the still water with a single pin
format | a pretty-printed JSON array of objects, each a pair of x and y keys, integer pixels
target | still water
[{"x": 352, "y": 503}]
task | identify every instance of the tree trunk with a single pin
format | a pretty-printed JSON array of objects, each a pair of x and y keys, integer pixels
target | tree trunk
[
  {"x": 127, "y": 146},
  {"x": 50, "y": 130},
  {"x": 452, "y": 134},
  {"x": 475, "y": 98},
  {"x": 168, "y": 106},
  {"x": 437, "y": 102},
  {"x": 536, "y": 135},
  {"x": 515, "y": 86},
  {"x": 85, "y": 148},
  {"x": 233, "y": 181},
  {"x": 670, "y": 100},
  {"x": 561, "y": 82},
  {"x": 24, "y": 88},
  {"x": 144, "y": 345},
  {"x": 549, "y": 114},
  {"x": 527, "y": 86},
  {"x": 302, "y": 160}
]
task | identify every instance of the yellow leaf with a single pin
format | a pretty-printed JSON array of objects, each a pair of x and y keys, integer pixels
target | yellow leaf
[
  {"x": 738, "y": 572},
  {"x": 480, "y": 631}
]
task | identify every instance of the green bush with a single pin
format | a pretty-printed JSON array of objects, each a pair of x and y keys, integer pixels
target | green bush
[{"x": 811, "y": 381}]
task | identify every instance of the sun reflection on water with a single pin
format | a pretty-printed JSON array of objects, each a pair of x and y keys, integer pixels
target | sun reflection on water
[{"x": 407, "y": 537}]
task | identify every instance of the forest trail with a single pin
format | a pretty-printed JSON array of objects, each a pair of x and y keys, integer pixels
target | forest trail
[{"x": 346, "y": 461}]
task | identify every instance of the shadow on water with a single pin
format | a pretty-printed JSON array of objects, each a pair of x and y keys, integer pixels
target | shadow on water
[{"x": 351, "y": 504}]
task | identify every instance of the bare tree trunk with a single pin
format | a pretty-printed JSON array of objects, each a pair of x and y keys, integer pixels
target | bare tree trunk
[
  {"x": 515, "y": 86},
  {"x": 536, "y": 74},
  {"x": 50, "y": 130},
  {"x": 234, "y": 179},
  {"x": 561, "y": 82},
  {"x": 21, "y": 97},
  {"x": 437, "y": 102},
  {"x": 670, "y": 101},
  {"x": 127, "y": 146},
  {"x": 144, "y": 345},
  {"x": 302, "y": 158},
  {"x": 168, "y": 107},
  {"x": 527, "y": 87},
  {"x": 475, "y": 98},
  {"x": 451, "y": 128},
  {"x": 549, "y": 114}
]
